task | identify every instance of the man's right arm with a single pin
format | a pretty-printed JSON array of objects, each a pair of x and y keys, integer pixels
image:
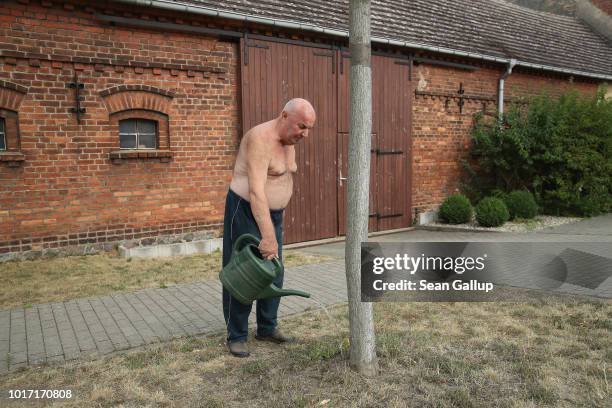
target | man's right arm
[{"x": 258, "y": 159}]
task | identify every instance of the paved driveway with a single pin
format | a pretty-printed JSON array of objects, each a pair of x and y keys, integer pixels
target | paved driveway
[
  {"x": 597, "y": 226},
  {"x": 589, "y": 244},
  {"x": 596, "y": 229}
]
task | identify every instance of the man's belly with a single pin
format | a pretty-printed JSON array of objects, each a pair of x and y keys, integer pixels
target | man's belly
[{"x": 278, "y": 190}]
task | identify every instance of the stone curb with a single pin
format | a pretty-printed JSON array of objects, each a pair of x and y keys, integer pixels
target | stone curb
[
  {"x": 167, "y": 250},
  {"x": 457, "y": 229}
]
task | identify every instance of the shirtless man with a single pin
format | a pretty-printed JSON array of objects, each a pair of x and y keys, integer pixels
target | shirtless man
[{"x": 261, "y": 187}]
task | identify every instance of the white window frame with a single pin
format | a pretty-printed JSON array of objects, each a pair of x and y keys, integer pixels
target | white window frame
[{"x": 137, "y": 134}]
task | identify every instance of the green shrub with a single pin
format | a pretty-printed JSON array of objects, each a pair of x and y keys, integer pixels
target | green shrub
[
  {"x": 456, "y": 209},
  {"x": 491, "y": 212},
  {"x": 498, "y": 194},
  {"x": 560, "y": 148},
  {"x": 521, "y": 204}
]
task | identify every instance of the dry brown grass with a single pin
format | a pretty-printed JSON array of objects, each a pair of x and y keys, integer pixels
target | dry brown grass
[
  {"x": 58, "y": 279},
  {"x": 551, "y": 352}
]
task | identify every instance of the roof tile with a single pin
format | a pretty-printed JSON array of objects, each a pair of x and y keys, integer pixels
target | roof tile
[{"x": 490, "y": 27}]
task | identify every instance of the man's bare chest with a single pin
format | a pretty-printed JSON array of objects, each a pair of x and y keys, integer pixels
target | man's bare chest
[{"x": 282, "y": 162}]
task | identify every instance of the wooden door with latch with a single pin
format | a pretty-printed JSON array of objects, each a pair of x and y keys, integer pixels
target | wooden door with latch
[
  {"x": 272, "y": 73},
  {"x": 390, "y": 182},
  {"x": 392, "y": 99}
]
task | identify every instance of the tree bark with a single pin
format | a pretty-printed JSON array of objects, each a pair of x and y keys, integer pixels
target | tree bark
[{"x": 363, "y": 341}]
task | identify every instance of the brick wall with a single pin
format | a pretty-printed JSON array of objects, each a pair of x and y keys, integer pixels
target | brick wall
[
  {"x": 73, "y": 185},
  {"x": 441, "y": 133},
  {"x": 68, "y": 190}
]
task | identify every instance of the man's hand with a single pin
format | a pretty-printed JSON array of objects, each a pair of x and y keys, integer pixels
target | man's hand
[{"x": 268, "y": 248}]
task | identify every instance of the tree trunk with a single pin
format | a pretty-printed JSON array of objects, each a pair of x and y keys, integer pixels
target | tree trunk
[{"x": 363, "y": 341}]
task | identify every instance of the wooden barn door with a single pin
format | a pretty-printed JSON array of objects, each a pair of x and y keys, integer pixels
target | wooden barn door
[
  {"x": 389, "y": 167},
  {"x": 272, "y": 73},
  {"x": 392, "y": 113},
  {"x": 342, "y": 138}
]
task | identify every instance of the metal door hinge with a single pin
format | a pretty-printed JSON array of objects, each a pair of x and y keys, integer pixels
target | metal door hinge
[
  {"x": 380, "y": 152},
  {"x": 379, "y": 216}
]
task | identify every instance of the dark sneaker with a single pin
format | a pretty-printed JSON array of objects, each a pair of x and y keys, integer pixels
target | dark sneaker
[
  {"x": 275, "y": 337},
  {"x": 238, "y": 349}
]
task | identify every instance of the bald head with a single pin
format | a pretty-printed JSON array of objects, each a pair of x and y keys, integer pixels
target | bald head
[
  {"x": 296, "y": 119},
  {"x": 299, "y": 106}
]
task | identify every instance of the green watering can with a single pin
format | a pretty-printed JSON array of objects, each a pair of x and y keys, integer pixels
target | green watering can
[{"x": 248, "y": 276}]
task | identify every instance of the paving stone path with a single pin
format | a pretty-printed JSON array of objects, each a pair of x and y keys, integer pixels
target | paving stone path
[{"x": 95, "y": 326}]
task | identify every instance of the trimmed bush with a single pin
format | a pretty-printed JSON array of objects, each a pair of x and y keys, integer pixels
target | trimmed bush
[
  {"x": 521, "y": 204},
  {"x": 491, "y": 212},
  {"x": 456, "y": 209}
]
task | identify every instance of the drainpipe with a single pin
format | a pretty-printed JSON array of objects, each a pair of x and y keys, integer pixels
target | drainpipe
[{"x": 500, "y": 98}]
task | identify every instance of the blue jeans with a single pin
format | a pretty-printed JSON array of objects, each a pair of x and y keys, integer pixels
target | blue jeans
[{"x": 239, "y": 220}]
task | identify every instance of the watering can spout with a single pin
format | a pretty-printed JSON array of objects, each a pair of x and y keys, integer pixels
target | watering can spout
[{"x": 274, "y": 291}]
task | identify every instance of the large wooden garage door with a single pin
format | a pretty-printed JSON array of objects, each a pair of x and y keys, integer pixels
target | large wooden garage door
[
  {"x": 273, "y": 73},
  {"x": 390, "y": 189}
]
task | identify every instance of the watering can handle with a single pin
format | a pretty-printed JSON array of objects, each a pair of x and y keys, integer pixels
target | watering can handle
[
  {"x": 244, "y": 240},
  {"x": 277, "y": 263}
]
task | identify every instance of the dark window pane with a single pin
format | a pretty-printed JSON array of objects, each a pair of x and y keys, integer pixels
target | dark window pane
[
  {"x": 146, "y": 141},
  {"x": 127, "y": 141},
  {"x": 127, "y": 126},
  {"x": 2, "y": 135},
  {"x": 146, "y": 126}
]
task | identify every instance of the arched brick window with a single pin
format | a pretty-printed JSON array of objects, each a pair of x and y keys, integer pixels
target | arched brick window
[
  {"x": 139, "y": 129},
  {"x": 11, "y": 96},
  {"x": 9, "y": 131},
  {"x": 139, "y": 120}
]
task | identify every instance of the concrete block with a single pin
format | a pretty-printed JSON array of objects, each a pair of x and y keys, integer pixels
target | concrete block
[
  {"x": 167, "y": 250},
  {"x": 123, "y": 251},
  {"x": 146, "y": 252},
  {"x": 177, "y": 249},
  {"x": 200, "y": 247},
  {"x": 427, "y": 217},
  {"x": 216, "y": 244}
]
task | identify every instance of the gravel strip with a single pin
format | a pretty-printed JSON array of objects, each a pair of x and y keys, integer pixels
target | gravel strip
[{"x": 538, "y": 223}]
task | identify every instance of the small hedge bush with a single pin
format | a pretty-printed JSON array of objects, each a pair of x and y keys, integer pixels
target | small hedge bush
[
  {"x": 521, "y": 204},
  {"x": 491, "y": 212},
  {"x": 456, "y": 209}
]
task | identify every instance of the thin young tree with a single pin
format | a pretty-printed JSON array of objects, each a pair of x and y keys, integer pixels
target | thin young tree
[{"x": 363, "y": 341}]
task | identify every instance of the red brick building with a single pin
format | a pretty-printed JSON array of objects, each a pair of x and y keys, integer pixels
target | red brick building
[{"x": 120, "y": 121}]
